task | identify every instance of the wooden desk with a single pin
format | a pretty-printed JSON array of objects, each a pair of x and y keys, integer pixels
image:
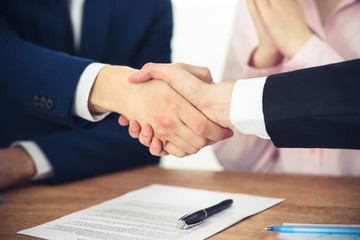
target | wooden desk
[{"x": 309, "y": 199}]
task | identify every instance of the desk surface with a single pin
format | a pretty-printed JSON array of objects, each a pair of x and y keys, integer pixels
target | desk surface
[{"x": 309, "y": 199}]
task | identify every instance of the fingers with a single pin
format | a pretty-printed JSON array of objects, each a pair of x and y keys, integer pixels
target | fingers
[
  {"x": 203, "y": 73},
  {"x": 175, "y": 150},
  {"x": 185, "y": 83},
  {"x": 164, "y": 72},
  {"x": 134, "y": 129},
  {"x": 264, "y": 8},
  {"x": 146, "y": 135},
  {"x": 179, "y": 146},
  {"x": 156, "y": 148},
  {"x": 149, "y": 71},
  {"x": 155, "y": 145},
  {"x": 256, "y": 16},
  {"x": 253, "y": 10},
  {"x": 180, "y": 126},
  {"x": 175, "y": 132},
  {"x": 176, "y": 147},
  {"x": 123, "y": 121},
  {"x": 202, "y": 126}
]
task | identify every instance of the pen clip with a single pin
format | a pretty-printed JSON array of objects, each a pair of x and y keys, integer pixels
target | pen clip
[{"x": 183, "y": 225}]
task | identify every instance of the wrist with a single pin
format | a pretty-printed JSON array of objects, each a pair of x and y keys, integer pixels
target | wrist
[
  {"x": 25, "y": 160},
  {"x": 109, "y": 88},
  {"x": 23, "y": 167},
  {"x": 217, "y": 101}
]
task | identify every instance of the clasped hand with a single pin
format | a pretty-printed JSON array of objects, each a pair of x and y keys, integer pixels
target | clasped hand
[
  {"x": 196, "y": 85},
  {"x": 281, "y": 30},
  {"x": 178, "y": 127}
]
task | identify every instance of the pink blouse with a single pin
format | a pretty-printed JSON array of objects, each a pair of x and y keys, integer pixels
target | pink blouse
[{"x": 337, "y": 40}]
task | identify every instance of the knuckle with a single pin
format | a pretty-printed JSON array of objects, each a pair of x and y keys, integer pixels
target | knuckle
[
  {"x": 205, "y": 72},
  {"x": 166, "y": 122},
  {"x": 177, "y": 65},
  {"x": 162, "y": 133},
  {"x": 133, "y": 134},
  {"x": 200, "y": 128},
  {"x": 200, "y": 143},
  {"x": 194, "y": 150},
  {"x": 148, "y": 66},
  {"x": 144, "y": 141},
  {"x": 180, "y": 154},
  {"x": 173, "y": 68},
  {"x": 154, "y": 153}
]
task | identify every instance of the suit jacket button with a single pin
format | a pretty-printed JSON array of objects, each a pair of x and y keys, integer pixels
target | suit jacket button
[
  {"x": 43, "y": 102},
  {"x": 49, "y": 104},
  {"x": 36, "y": 100}
]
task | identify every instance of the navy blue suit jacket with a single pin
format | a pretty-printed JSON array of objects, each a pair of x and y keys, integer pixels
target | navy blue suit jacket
[
  {"x": 315, "y": 107},
  {"x": 39, "y": 71}
]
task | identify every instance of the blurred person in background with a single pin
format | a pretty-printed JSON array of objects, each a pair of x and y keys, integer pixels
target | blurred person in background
[{"x": 283, "y": 35}]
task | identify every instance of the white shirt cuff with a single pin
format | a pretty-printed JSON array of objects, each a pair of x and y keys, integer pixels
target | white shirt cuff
[
  {"x": 42, "y": 164},
  {"x": 246, "y": 110},
  {"x": 80, "y": 106}
]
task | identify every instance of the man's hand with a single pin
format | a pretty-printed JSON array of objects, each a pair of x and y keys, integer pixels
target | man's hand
[
  {"x": 16, "y": 166},
  {"x": 212, "y": 100},
  {"x": 281, "y": 29},
  {"x": 181, "y": 128}
]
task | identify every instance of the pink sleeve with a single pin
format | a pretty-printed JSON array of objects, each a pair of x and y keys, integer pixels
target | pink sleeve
[
  {"x": 314, "y": 53},
  {"x": 246, "y": 153}
]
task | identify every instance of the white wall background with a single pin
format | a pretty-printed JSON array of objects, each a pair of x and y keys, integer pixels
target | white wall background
[{"x": 202, "y": 30}]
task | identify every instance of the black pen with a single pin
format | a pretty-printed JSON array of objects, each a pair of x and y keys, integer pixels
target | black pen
[{"x": 195, "y": 218}]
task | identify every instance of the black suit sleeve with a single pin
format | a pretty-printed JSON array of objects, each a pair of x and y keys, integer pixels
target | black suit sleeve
[{"x": 314, "y": 107}]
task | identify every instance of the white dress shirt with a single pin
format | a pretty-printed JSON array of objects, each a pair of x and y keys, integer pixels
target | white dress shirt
[
  {"x": 81, "y": 96},
  {"x": 246, "y": 112}
]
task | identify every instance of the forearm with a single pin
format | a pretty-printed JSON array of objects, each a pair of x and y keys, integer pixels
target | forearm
[
  {"x": 110, "y": 91},
  {"x": 16, "y": 166}
]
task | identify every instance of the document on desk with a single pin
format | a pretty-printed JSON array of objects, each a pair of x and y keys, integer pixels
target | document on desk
[{"x": 151, "y": 213}]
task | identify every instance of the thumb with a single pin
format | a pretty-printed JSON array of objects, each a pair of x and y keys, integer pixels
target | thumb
[
  {"x": 149, "y": 71},
  {"x": 181, "y": 80}
]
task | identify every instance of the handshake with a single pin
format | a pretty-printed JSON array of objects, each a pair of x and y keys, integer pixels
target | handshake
[{"x": 172, "y": 108}]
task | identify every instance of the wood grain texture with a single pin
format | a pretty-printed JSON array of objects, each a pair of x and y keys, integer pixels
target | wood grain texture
[{"x": 309, "y": 199}]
